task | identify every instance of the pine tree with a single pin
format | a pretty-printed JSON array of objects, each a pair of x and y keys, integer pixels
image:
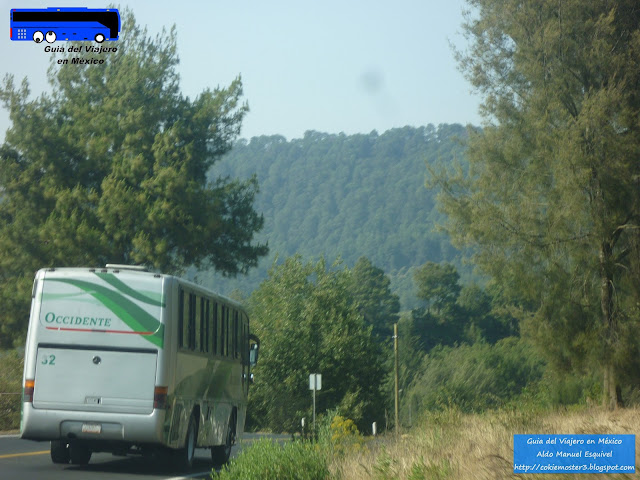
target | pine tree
[
  {"x": 551, "y": 199},
  {"x": 371, "y": 290}
]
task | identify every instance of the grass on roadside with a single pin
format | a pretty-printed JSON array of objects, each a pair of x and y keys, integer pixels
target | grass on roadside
[
  {"x": 452, "y": 445},
  {"x": 267, "y": 459},
  {"x": 10, "y": 389}
]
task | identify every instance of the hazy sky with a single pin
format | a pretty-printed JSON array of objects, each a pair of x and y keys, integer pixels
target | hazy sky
[{"x": 333, "y": 66}]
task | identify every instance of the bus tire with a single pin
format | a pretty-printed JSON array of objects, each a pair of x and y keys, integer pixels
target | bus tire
[
  {"x": 184, "y": 456},
  {"x": 220, "y": 454},
  {"x": 59, "y": 452},
  {"x": 99, "y": 38},
  {"x": 79, "y": 453}
]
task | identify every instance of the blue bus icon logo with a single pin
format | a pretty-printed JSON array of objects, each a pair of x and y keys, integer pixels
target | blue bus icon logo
[{"x": 64, "y": 24}]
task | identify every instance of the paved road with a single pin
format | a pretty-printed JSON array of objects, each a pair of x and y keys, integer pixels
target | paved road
[{"x": 20, "y": 459}]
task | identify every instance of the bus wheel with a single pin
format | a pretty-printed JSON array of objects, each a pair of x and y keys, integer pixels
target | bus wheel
[
  {"x": 185, "y": 455},
  {"x": 59, "y": 452},
  {"x": 220, "y": 454},
  {"x": 99, "y": 38},
  {"x": 38, "y": 36},
  {"x": 79, "y": 453},
  {"x": 50, "y": 37}
]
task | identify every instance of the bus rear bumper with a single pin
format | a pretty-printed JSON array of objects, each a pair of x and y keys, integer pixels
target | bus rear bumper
[{"x": 45, "y": 424}]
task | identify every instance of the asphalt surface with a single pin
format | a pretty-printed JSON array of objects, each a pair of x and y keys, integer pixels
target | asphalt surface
[{"x": 20, "y": 459}]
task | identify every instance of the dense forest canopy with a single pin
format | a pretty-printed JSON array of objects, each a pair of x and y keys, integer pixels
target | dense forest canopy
[{"x": 348, "y": 196}]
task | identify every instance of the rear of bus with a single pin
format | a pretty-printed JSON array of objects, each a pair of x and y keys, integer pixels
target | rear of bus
[{"x": 94, "y": 370}]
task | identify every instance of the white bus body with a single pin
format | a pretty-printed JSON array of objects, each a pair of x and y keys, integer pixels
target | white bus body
[{"x": 130, "y": 361}]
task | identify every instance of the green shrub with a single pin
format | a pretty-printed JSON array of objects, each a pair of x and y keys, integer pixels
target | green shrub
[
  {"x": 570, "y": 388},
  {"x": 421, "y": 470},
  {"x": 345, "y": 436},
  {"x": 11, "y": 365},
  {"x": 386, "y": 467},
  {"x": 338, "y": 436},
  {"x": 265, "y": 459},
  {"x": 476, "y": 377}
]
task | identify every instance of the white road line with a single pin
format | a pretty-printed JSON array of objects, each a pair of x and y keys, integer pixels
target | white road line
[{"x": 193, "y": 475}]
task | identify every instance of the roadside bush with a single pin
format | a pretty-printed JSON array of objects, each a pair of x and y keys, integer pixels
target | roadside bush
[
  {"x": 338, "y": 435},
  {"x": 345, "y": 436},
  {"x": 388, "y": 468},
  {"x": 265, "y": 459},
  {"x": 11, "y": 364},
  {"x": 476, "y": 377}
]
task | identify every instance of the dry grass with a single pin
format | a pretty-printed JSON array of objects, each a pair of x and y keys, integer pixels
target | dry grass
[
  {"x": 452, "y": 445},
  {"x": 10, "y": 389}
]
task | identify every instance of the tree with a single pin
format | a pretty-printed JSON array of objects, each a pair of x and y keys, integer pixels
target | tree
[
  {"x": 551, "y": 199},
  {"x": 410, "y": 354},
  {"x": 112, "y": 167},
  {"x": 371, "y": 290},
  {"x": 438, "y": 285},
  {"x": 486, "y": 319},
  {"x": 442, "y": 321},
  {"x": 308, "y": 323}
]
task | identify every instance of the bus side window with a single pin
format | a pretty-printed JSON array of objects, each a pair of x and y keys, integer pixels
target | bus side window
[
  {"x": 227, "y": 322},
  {"x": 214, "y": 329},
  {"x": 244, "y": 341},
  {"x": 204, "y": 326},
  {"x": 198, "y": 324},
  {"x": 186, "y": 324},
  {"x": 235, "y": 348},
  {"x": 181, "y": 317},
  {"x": 240, "y": 336},
  {"x": 223, "y": 331},
  {"x": 192, "y": 321},
  {"x": 232, "y": 333}
]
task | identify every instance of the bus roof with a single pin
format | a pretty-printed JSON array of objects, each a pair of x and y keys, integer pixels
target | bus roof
[{"x": 143, "y": 270}]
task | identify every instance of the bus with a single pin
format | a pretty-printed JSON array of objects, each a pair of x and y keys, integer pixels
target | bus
[
  {"x": 70, "y": 24},
  {"x": 123, "y": 360}
]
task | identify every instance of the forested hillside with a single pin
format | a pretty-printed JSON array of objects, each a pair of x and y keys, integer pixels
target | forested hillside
[{"x": 347, "y": 196}]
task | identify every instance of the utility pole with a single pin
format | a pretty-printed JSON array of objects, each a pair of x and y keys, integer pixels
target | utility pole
[{"x": 397, "y": 392}]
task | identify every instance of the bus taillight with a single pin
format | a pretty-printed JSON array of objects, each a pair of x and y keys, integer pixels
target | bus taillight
[
  {"x": 160, "y": 397},
  {"x": 27, "y": 393}
]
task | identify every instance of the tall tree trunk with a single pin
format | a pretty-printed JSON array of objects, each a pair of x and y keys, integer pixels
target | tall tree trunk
[{"x": 610, "y": 391}]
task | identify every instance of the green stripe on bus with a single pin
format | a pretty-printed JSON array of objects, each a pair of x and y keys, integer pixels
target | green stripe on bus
[
  {"x": 127, "y": 311},
  {"x": 115, "y": 282}
]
